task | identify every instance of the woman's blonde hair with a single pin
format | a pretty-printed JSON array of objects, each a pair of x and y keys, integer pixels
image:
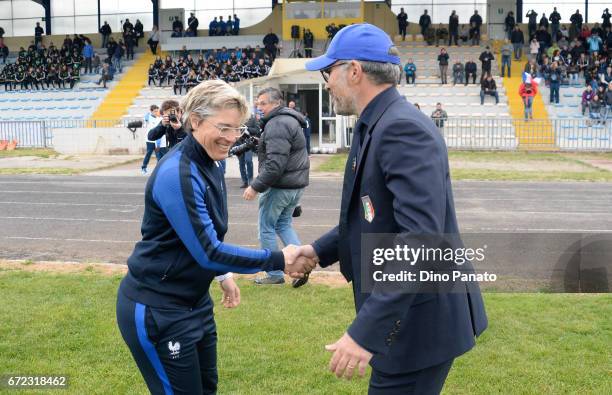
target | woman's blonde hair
[{"x": 208, "y": 97}]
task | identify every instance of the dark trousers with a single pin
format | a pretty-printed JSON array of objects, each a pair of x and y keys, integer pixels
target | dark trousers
[
  {"x": 453, "y": 35},
  {"x": 554, "y": 92},
  {"x": 410, "y": 78},
  {"x": 175, "y": 349},
  {"x": 467, "y": 77},
  {"x": 245, "y": 163},
  {"x": 150, "y": 150},
  {"x": 422, "y": 382},
  {"x": 153, "y": 46},
  {"x": 307, "y": 134},
  {"x": 402, "y": 31},
  {"x": 88, "y": 68}
]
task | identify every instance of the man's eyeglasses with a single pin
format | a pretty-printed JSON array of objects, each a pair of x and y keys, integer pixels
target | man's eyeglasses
[
  {"x": 229, "y": 132},
  {"x": 327, "y": 71}
]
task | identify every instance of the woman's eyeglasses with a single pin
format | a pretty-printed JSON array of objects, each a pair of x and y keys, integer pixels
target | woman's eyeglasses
[{"x": 226, "y": 131}]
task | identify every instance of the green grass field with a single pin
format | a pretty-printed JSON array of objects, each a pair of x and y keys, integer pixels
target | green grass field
[
  {"x": 513, "y": 166},
  {"x": 274, "y": 342}
]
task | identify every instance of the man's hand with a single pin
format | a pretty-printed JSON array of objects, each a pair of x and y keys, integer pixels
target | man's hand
[
  {"x": 348, "y": 355},
  {"x": 231, "y": 293},
  {"x": 297, "y": 264},
  {"x": 249, "y": 194}
]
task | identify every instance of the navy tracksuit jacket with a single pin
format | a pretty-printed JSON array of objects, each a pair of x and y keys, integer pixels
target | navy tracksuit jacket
[{"x": 164, "y": 309}]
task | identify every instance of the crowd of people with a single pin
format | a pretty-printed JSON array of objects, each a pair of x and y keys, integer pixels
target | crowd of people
[
  {"x": 186, "y": 71},
  {"x": 42, "y": 68}
]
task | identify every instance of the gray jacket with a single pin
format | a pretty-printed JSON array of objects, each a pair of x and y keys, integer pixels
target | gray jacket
[{"x": 283, "y": 160}]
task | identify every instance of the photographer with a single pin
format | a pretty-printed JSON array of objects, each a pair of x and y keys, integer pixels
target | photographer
[
  {"x": 283, "y": 174},
  {"x": 439, "y": 116},
  {"x": 170, "y": 125},
  {"x": 248, "y": 142}
]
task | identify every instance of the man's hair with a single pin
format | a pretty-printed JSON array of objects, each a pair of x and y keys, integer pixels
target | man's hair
[
  {"x": 153, "y": 107},
  {"x": 273, "y": 94},
  {"x": 382, "y": 73},
  {"x": 168, "y": 104},
  {"x": 205, "y": 99}
]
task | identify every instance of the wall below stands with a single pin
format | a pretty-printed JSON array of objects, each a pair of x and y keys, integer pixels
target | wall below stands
[{"x": 97, "y": 141}]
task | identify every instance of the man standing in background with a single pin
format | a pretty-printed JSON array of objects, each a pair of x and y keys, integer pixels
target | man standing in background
[
  {"x": 283, "y": 174},
  {"x": 402, "y": 23}
]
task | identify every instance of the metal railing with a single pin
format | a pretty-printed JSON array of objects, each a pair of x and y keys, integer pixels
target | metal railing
[
  {"x": 577, "y": 134},
  {"x": 39, "y": 134}
]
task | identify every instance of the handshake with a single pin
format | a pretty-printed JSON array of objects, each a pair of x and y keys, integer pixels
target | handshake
[{"x": 299, "y": 260}]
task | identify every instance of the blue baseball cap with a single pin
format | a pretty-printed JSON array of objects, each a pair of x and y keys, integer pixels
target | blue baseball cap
[{"x": 360, "y": 42}]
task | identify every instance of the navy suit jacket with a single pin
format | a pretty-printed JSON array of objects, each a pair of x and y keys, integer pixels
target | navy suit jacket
[{"x": 403, "y": 168}]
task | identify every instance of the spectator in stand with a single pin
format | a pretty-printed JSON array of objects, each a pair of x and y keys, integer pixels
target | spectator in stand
[
  {"x": 127, "y": 25},
  {"x": 308, "y": 43},
  {"x": 488, "y": 87},
  {"x": 130, "y": 42},
  {"x": 544, "y": 39},
  {"x": 471, "y": 70},
  {"x": 118, "y": 56},
  {"x": 38, "y": 32},
  {"x": 458, "y": 72},
  {"x": 543, "y": 22},
  {"x": 506, "y": 58},
  {"x": 453, "y": 28},
  {"x": 576, "y": 24},
  {"x": 88, "y": 53},
  {"x": 441, "y": 33},
  {"x": 464, "y": 34},
  {"x": 555, "y": 23},
  {"x": 151, "y": 120},
  {"x": 443, "y": 64},
  {"x": 1, "y": 32},
  {"x": 154, "y": 39},
  {"x": 213, "y": 26},
  {"x": 509, "y": 24},
  {"x": 270, "y": 42},
  {"x": 605, "y": 16},
  {"x": 595, "y": 44},
  {"x": 476, "y": 23},
  {"x": 439, "y": 116},
  {"x": 595, "y": 109},
  {"x": 177, "y": 26},
  {"x": 192, "y": 24},
  {"x": 534, "y": 48},
  {"x": 486, "y": 58},
  {"x": 105, "y": 31},
  {"x": 518, "y": 41},
  {"x": 230, "y": 25},
  {"x": 402, "y": 23},
  {"x": 532, "y": 24},
  {"x": 107, "y": 74},
  {"x": 608, "y": 102},
  {"x": 424, "y": 23},
  {"x": 236, "y": 28},
  {"x": 410, "y": 71},
  {"x": 222, "y": 27},
  {"x": 554, "y": 82},
  {"x": 4, "y": 51},
  {"x": 527, "y": 91},
  {"x": 138, "y": 31}
]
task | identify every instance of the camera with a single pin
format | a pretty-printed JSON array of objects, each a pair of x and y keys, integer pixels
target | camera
[
  {"x": 172, "y": 117},
  {"x": 245, "y": 143}
]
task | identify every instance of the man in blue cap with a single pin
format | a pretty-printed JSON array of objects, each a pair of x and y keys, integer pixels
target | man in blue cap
[{"x": 396, "y": 181}]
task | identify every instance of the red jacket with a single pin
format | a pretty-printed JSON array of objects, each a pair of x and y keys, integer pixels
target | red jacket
[{"x": 523, "y": 92}]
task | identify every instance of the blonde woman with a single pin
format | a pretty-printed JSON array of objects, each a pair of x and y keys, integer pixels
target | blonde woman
[{"x": 164, "y": 309}]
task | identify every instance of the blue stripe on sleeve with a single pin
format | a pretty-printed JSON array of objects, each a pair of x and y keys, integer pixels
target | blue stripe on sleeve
[
  {"x": 186, "y": 210},
  {"x": 149, "y": 348}
]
